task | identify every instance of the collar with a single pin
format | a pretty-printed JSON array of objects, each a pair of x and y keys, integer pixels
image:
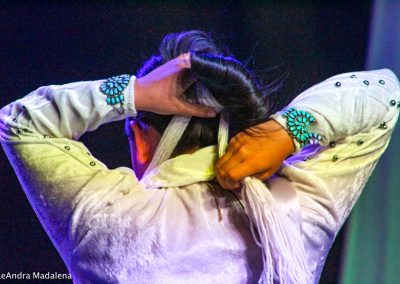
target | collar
[{"x": 184, "y": 169}]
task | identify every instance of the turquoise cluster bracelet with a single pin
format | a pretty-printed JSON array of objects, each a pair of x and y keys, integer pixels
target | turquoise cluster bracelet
[
  {"x": 113, "y": 88},
  {"x": 297, "y": 122}
]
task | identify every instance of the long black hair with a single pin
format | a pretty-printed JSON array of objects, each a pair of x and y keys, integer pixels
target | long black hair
[{"x": 233, "y": 85}]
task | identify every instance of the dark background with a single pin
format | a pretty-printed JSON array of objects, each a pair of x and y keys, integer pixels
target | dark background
[{"x": 60, "y": 43}]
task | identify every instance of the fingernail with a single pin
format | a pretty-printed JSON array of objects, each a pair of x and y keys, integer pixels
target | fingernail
[{"x": 211, "y": 113}]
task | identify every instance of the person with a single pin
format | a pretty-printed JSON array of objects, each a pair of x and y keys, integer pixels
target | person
[{"x": 171, "y": 220}]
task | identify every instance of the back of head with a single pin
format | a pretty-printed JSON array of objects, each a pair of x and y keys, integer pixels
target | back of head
[{"x": 217, "y": 72}]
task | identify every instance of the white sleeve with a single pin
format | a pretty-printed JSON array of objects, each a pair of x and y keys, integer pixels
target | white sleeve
[
  {"x": 57, "y": 173},
  {"x": 348, "y": 104},
  {"x": 63, "y": 111},
  {"x": 355, "y": 115}
]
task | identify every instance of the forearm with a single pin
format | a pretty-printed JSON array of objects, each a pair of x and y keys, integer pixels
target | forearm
[
  {"x": 348, "y": 104},
  {"x": 57, "y": 173},
  {"x": 63, "y": 111}
]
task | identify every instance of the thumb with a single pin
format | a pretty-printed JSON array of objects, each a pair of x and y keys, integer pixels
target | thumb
[
  {"x": 189, "y": 109},
  {"x": 185, "y": 80}
]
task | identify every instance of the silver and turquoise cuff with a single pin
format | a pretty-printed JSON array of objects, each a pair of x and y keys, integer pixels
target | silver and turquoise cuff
[
  {"x": 114, "y": 87},
  {"x": 296, "y": 122}
]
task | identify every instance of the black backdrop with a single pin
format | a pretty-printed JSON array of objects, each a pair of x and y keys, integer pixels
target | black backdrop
[{"x": 60, "y": 43}]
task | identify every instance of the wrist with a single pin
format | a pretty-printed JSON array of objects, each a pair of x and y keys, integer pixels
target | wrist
[
  {"x": 274, "y": 131},
  {"x": 140, "y": 95},
  {"x": 297, "y": 123},
  {"x": 287, "y": 143}
]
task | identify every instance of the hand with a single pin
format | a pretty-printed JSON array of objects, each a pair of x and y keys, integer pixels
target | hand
[
  {"x": 161, "y": 91},
  {"x": 258, "y": 151}
]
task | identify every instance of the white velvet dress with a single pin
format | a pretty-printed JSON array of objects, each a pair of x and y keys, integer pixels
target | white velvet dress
[{"x": 110, "y": 228}]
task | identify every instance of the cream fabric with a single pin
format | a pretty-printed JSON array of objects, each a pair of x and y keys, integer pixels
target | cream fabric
[{"x": 108, "y": 227}]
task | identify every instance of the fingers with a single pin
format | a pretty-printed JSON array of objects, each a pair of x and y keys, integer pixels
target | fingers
[
  {"x": 225, "y": 158},
  {"x": 234, "y": 160},
  {"x": 233, "y": 146},
  {"x": 264, "y": 175},
  {"x": 240, "y": 162},
  {"x": 185, "y": 57},
  {"x": 184, "y": 81},
  {"x": 228, "y": 183},
  {"x": 239, "y": 171},
  {"x": 232, "y": 179},
  {"x": 185, "y": 108}
]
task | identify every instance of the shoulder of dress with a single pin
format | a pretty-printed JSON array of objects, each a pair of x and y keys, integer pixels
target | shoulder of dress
[
  {"x": 379, "y": 74},
  {"x": 384, "y": 78}
]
